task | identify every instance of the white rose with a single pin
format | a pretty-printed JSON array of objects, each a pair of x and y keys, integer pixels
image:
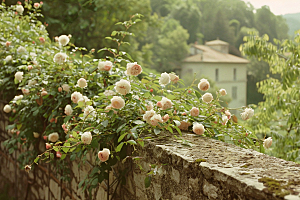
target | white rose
[
  {"x": 82, "y": 83},
  {"x": 166, "y": 103},
  {"x": 18, "y": 97},
  {"x": 149, "y": 106},
  {"x": 20, "y": 9},
  {"x": 224, "y": 119},
  {"x": 19, "y": 76},
  {"x": 21, "y": 49},
  {"x": 7, "y": 108},
  {"x": 109, "y": 93},
  {"x": 75, "y": 96},
  {"x": 66, "y": 87},
  {"x": 44, "y": 93},
  {"x": 223, "y": 92},
  {"x": 155, "y": 119},
  {"x": 8, "y": 58},
  {"x": 33, "y": 55},
  {"x": 25, "y": 91},
  {"x": 68, "y": 110},
  {"x": 173, "y": 77},
  {"x": 63, "y": 40},
  {"x": 147, "y": 116},
  {"x": 86, "y": 137},
  {"x": 228, "y": 114},
  {"x": 165, "y": 118},
  {"x": 194, "y": 112},
  {"x": 105, "y": 65},
  {"x": 268, "y": 142},
  {"x": 123, "y": 87},
  {"x": 53, "y": 137},
  {"x": 104, "y": 154},
  {"x": 89, "y": 112},
  {"x": 60, "y": 58},
  {"x": 164, "y": 79},
  {"x": 203, "y": 85},
  {"x": 248, "y": 113},
  {"x": 133, "y": 69},
  {"x": 207, "y": 97},
  {"x": 198, "y": 128},
  {"x": 84, "y": 99},
  {"x": 117, "y": 102},
  {"x": 32, "y": 82},
  {"x": 36, "y": 135}
]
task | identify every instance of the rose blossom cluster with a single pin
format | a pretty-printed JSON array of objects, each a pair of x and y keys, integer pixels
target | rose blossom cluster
[{"x": 247, "y": 114}]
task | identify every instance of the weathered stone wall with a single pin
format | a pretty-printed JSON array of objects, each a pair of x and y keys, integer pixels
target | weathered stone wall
[{"x": 203, "y": 169}]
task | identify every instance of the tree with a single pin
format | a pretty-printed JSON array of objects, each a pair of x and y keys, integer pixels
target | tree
[{"x": 279, "y": 114}]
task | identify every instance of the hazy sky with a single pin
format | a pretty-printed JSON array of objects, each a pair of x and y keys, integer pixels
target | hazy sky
[{"x": 278, "y": 7}]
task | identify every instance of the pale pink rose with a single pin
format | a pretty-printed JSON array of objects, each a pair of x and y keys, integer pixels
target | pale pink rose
[
  {"x": 7, "y": 108},
  {"x": 228, "y": 114},
  {"x": 58, "y": 154},
  {"x": 60, "y": 58},
  {"x": 117, "y": 102},
  {"x": 68, "y": 110},
  {"x": 7, "y": 44},
  {"x": 42, "y": 40},
  {"x": 159, "y": 104},
  {"x": 25, "y": 91},
  {"x": 53, "y": 137},
  {"x": 155, "y": 119},
  {"x": 165, "y": 118},
  {"x": 75, "y": 96},
  {"x": 104, "y": 155},
  {"x": 89, "y": 112},
  {"x": 268, "y": 142},
  {"x": 64, "y": 126},
  {"x": 86, "y": 137},
  {"x": 173, "y": 77},
  {"x": 44, "y": 93},
  {"x": 29, "y": 67},
  {"x": 194, "y": 112},
  {"x": 48, "y": 146},
  {"x": 166, "y": 103},
  {"x": 248, "y": 113},
  {"x": 36, "y": 5},
  {"x": 133, "y": 69},
  {"x": 164, "y": 79},
  {"x": 105, "y": 65},
  {"x": 59, "y": 89},
  {"x": 19, "y": 76},
  {"x": 66, "y": 87},
  {"x": 207, "y": 97},
  {"x": 184, "y": 125},
  {"x": 63, "y": 40},
  {"x": 198, "y": 128},
  {"x": 223, "y": 92},
  {"x": 82, "y": 83},
  {"x": 184, "y": 113},
  {"x": 147, "y": 116},
  {"x": 123, "y": 87},
  {"x": 203, "y": 85}
]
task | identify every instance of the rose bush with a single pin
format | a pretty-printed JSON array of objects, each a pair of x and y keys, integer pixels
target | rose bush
[{"x": 74, "y": 104}]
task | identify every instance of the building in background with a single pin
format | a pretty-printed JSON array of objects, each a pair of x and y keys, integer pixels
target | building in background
[{"x": 213, "y": 61}]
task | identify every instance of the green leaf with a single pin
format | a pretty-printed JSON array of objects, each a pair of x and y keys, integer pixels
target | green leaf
[
  {"x": 119, "y": 147},
  {"x": 36, "y": 160},
  {"x": 198, "y": 94},
  {"x": 63, "y": 156},
  {"x": 113, "y": 33},
  {"x": 120, "y": 127},
  {"x": 132, "y": 142},
  {"x": 138, "y": 122},
  {"x": 121, "y": 137},
  {"x": 141, "y": 142},
  {"x": 80, "y": 183},
  {"x": 67, "y": 118},
  {"x": 170, "y": 129},
  {"x": 105, "y": 123},
  {"x": 147, "y": 181}
]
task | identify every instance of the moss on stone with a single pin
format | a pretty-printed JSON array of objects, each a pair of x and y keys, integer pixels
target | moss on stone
[
  {"x": 279, "y": 188},
  {"x": 246, "y": 165},
  {"x": 200, "y": 160}
]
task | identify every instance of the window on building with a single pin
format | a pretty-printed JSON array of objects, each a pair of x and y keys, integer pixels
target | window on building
[
  {"x": 217, "y": 74},
  {"x": 234, "y": 92},
  {"x": 234, "y": 74}
]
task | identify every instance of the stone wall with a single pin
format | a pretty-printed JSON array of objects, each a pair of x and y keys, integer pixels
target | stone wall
[{"x": 193, "y": 167}]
